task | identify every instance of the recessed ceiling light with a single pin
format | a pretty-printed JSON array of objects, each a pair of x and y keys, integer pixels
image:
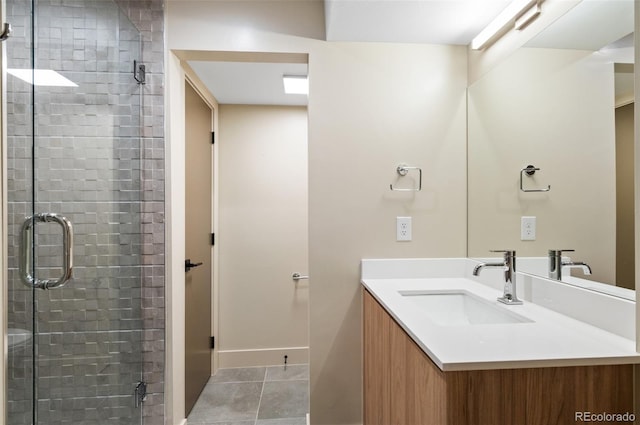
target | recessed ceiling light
[
  {"x": 295, "y": 84},
  {"x": 41, "y": 77}
]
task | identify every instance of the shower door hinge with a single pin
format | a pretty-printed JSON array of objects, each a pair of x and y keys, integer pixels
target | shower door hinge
[
  {"x": 212, "y": 342},
  {"x": 139, "y": 72},
  {"x": 213, "y": 137},
  {"x": 140, "y": 393},
  {"x": 6, "y": 31}
]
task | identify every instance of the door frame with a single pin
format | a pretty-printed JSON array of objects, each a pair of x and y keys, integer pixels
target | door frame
[{"x": 179, "y": 73}]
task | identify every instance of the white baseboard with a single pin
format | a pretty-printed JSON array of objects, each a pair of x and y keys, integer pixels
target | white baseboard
[
  {"x": 183, "y": 422},
  {"x": 262, "y": 357}
]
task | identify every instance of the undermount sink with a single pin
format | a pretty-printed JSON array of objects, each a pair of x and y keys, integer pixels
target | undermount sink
[{"x": 459, "y": 308}]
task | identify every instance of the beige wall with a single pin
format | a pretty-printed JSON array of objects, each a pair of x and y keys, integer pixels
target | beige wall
[
  {"x": 262, "y": 235},
  {"x": 371, "y": 107},
  {"x": 553, "y": 109}
]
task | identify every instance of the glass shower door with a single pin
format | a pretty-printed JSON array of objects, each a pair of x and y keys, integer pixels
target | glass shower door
[{"x": 73, "y": 147}]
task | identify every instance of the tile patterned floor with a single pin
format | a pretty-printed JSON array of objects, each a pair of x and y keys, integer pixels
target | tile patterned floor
[{"x": 254, "y": 396}]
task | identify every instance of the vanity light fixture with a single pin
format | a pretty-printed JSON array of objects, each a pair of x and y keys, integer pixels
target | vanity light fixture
[
  {"x": 516, "y": 10},
  {"x": 41, "y": 77},
  {"x": 527, "y": 17},
  {"x": 296, "y": 84}
]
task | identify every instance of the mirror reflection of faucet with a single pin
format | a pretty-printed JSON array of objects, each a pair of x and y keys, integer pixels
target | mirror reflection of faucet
[
  {"x": 509, "y": 266},
  {"x": 556, "y": 264}
]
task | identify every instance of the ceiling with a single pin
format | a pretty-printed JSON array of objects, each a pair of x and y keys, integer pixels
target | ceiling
[
  {"x": 405, "y": 21},
  {"x": 591, "y": 25},
  {"x": 409, "y": 21}
]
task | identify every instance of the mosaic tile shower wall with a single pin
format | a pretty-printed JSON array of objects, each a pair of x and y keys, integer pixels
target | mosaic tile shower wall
[{"x": 99, "y": 152}]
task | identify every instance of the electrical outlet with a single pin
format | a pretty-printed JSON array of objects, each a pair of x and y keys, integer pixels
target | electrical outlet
[
  {"x": 528, "y": 228},
  {"x": 403, "y": 229}
]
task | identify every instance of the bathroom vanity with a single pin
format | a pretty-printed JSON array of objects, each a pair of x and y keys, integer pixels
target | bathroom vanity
[{"x": 439, "y": 349}]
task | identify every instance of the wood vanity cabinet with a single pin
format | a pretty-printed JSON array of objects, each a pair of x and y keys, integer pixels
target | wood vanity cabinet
[{"x": 402, "y": 386}]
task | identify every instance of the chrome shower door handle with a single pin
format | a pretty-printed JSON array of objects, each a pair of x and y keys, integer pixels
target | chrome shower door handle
[{"x": 26, "y": 251}]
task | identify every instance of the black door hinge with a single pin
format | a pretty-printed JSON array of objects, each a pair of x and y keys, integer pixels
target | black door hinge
[
  {"x": 213, "y": 342},
  {"x": 213, "y": 137},
  {"x": 213, "y": 239}
]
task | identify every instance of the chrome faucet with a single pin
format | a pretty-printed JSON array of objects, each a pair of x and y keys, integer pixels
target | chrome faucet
[
  {"x": 509, "y": 266},
  {"x": 556, "y": 264}
]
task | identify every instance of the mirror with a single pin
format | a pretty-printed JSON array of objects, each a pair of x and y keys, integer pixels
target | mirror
[{"x": 562, "y": 104}]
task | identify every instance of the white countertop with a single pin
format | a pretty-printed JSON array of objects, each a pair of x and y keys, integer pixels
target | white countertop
[{"x": 550, "y": 340}]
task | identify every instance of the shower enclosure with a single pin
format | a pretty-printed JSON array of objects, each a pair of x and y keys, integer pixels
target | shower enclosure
[{"x": 73, "y": 106}]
